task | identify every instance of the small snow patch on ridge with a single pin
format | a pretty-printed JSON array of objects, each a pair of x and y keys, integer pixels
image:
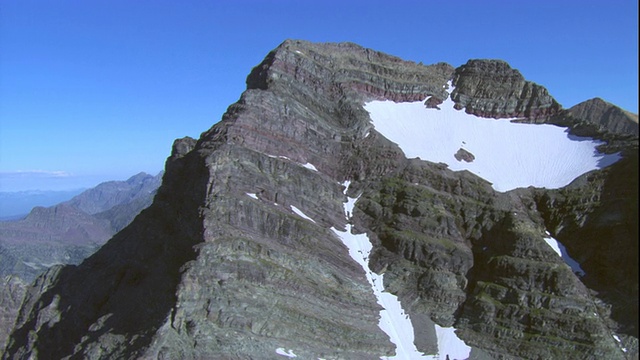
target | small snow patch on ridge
[
  {"x": 283, "y": 352},
  {"x": 300, "y": 213},
  {"x": 310, "y": 166},
  {"x": 306, "y": 165},
  {"x": 562, "y": 252},
  {"x": 617, "y": 338}
]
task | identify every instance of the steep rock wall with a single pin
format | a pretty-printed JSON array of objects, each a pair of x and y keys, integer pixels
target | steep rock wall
[{"x": 491, "y": 88}]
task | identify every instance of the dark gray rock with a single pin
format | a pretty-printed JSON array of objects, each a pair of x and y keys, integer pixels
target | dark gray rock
[
  {"x": 12, "y": 291},
  {"x": 604, "y": 117},
  {"x": 464, "y": 155},
  {"x": 491, "y": 88}
]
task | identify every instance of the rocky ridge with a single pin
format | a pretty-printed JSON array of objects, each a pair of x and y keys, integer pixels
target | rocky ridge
[
  {"x": 222, "y": 265},
  {"x": 491, "y": 88}
]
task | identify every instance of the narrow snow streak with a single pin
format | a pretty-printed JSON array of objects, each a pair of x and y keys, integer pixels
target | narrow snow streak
[
  {"x": 310, "y": 166},
  {"x": 283, "y": 352},
  {"x": 300, "y": 213},
  {"x": 393, "y": 320},
  {"x": 509, "y": 155},
  {"x": 253, "y": 195},
  {"x": 617, "y": 338},
  {"x": 306, "y": 165},
  {"x": 562, "y": 252}
]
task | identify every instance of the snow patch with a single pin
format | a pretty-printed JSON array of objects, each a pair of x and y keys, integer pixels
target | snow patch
[
  {"x": 617, "y": 338},
  {"x": 306, "y": 165},
  {"x": 449, "y": 345},
  {"x": 283, "y": 352},
  {"x": 553, "y": 243},
  {"x": 509, "y": 155},
  {"x": 253, "y": 195},
  {"x": 300, "y": 213},
  {"x": 562, "y": 252},
  {"x": 310, "y": 166}
]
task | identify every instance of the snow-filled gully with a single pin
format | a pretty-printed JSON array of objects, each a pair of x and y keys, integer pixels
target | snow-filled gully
[{"x": 393, "y": 320}]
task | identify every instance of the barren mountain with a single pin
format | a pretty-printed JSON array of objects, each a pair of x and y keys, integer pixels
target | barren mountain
[{"x": 299, "y": 226}]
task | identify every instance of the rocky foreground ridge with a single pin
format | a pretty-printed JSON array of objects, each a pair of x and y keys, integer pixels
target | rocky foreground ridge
[{"x": 223, "y": 266}]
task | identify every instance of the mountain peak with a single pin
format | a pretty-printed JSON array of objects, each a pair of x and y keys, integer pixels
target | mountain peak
[
  {"x": 492, "y": 88},
  {"x": 244, "y": 252},
  {"x": 331, "y": 69},
  {"x": 606, "y": 117}
]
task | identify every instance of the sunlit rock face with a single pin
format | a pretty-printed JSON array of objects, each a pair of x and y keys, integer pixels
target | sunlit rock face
[{"x": 244, "y": 252}]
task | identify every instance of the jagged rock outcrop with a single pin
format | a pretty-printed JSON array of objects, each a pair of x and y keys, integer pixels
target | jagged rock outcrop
[
  {"x": 236, "y": 258},
  {"x": 12, "y": 290},
  {"x": 491, "y": 88},
  {"x": 596, "y": 218}
]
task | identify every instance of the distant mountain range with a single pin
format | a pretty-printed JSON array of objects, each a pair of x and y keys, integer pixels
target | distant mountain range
[
  {"x": 72, "y": 230},
  {"x": 16, "y": 205}
]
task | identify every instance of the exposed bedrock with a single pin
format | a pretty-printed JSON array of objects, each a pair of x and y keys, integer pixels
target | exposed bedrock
[{"x": 491, "y": 88}]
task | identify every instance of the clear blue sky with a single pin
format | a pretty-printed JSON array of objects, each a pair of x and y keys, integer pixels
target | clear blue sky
[{"x": 98, "y": 90}]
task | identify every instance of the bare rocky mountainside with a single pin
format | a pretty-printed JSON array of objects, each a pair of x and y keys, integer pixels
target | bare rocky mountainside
[{"x": 242, "y": 254}]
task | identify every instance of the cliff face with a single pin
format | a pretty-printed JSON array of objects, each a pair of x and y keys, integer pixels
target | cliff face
[
  {"x": 236, "y": 256},
  {"x": 491, "y": 88}
]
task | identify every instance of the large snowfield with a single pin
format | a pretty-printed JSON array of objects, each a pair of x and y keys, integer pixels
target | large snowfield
[{"x": 509, "y": 155}]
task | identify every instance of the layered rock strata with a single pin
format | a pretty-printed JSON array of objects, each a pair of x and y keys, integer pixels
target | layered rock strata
[
  {"x": 236, "y": 258},
  {"x": 491, "y": 88}
]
